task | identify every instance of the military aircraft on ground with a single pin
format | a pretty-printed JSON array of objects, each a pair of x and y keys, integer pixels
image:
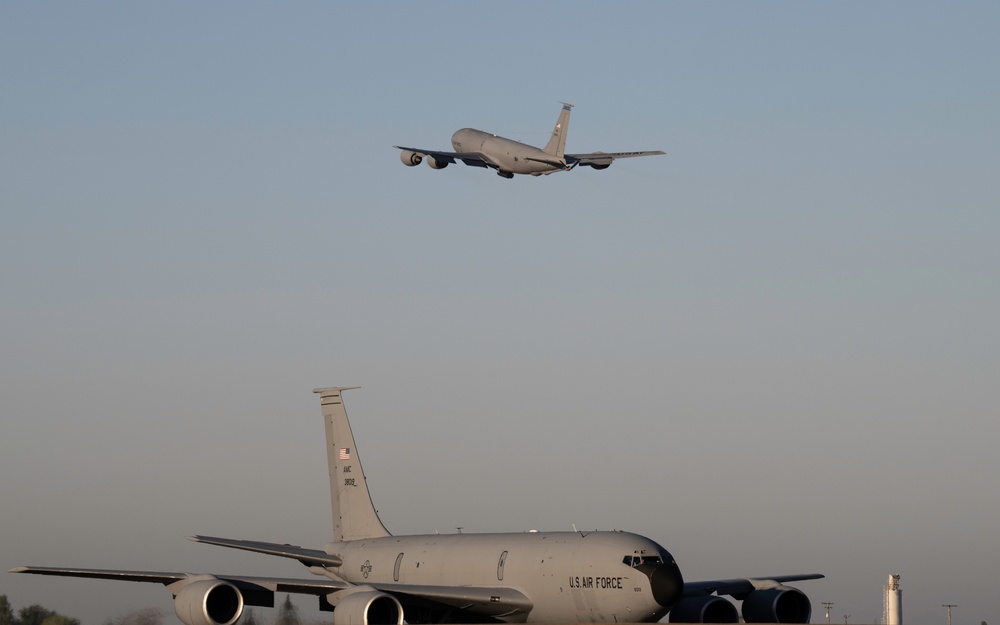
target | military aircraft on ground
[
  {"x": 367, "y": 576},
  {"x": 508, "y": 157}
]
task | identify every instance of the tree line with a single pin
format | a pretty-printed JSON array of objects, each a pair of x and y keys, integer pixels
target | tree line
[
  {"x": 287, "y": 614},
  {"x": 32, "y": 615}
]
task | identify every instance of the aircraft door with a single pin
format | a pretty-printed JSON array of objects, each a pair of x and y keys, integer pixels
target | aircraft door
[
  {"x": 503, "y": 560},
  {"x": 395, "y": 569}
]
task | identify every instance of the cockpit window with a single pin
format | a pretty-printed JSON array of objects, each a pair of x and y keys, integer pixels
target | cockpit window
[{"x": 635, "y": 561}]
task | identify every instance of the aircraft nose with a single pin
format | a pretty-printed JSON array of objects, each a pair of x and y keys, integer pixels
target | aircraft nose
[{"x": 667, "y": 583}]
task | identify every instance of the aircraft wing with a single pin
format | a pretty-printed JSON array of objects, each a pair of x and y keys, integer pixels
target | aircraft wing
[
  {"x": 603, "y": 159},
  {"x": 126, "y": 576},
  {"x": 259, "y": 591},
  {"x": 244, "y": 583},
  {"x": 742, "y": 585},
  {"x": 474, "y": 159}
]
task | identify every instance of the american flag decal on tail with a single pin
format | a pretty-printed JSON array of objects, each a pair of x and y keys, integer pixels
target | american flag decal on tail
[{"x": 345, "y": 453}]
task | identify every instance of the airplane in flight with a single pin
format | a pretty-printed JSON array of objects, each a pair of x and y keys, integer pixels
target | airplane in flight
[
  {"x": 508, "y": 157},
  {"x": 367, "y": 576}
]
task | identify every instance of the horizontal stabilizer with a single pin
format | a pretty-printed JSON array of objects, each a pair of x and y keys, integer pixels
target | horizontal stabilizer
[
  {"x": 605, "y": 158},
  {"x": 547, "y": 161},
  {"x": 308, "y": 557}
]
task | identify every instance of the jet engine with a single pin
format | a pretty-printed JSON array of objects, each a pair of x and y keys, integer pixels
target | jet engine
[
  {"x": 410, "y": 158},
  {"x": 368, "y": 607},
  {"x": 704, "y": 609},
  {"x": 781, "y": 604},
  {"x": 209, "y": 602},
  {"x": 436, "y": 164}
]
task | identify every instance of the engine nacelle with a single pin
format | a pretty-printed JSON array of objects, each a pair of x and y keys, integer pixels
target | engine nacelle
[
  {"x": 410, "y": 158},
  {"x": 368, "y": 607},
  {"x": 209, "y": 602},
  {"x": 705, "y": 609},
  {"x": 435, "y": 163},
  {"x": 781, "y": 604}
]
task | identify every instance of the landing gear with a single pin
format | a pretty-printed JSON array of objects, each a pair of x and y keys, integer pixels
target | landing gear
[{"x": 505, "y": 174}]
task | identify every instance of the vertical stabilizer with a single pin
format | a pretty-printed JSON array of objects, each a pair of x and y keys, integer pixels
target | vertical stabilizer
[
  {"x": 354, "y": 516},
  {"x": 557, "y": 143}
]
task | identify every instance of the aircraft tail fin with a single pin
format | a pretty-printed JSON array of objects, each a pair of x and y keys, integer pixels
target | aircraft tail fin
[
  {"x": 557, "y": 142},
  {"x": 354, "y": 515}
]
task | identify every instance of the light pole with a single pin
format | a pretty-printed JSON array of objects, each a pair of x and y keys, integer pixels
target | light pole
[
  {"x": 846, "y": 616},
  {"x": 827, "y": 605},
  {"x": 949, "y": 606}
]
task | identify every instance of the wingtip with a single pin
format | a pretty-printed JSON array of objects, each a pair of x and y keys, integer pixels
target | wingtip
[{"x": 18, "y": 569}]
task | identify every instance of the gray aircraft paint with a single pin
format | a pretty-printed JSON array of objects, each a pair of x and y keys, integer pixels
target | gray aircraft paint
[
  {"x": 354, "y": 514},
  {"x": 533, "y": 577},
  {"x": 568, "y": 577},
  {"x": 508, "y": 157}
]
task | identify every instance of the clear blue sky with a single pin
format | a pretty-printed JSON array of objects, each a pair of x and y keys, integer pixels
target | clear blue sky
[{"x": 774, "y": 350}]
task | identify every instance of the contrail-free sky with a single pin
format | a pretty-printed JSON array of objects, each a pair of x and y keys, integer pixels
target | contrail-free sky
[{"x": 773, "y": 350}]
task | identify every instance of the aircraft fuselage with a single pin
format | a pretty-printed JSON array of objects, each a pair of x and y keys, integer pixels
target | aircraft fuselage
[
  {"x": 568, "y": 576},
  {"x": 506, "y": 154}
]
